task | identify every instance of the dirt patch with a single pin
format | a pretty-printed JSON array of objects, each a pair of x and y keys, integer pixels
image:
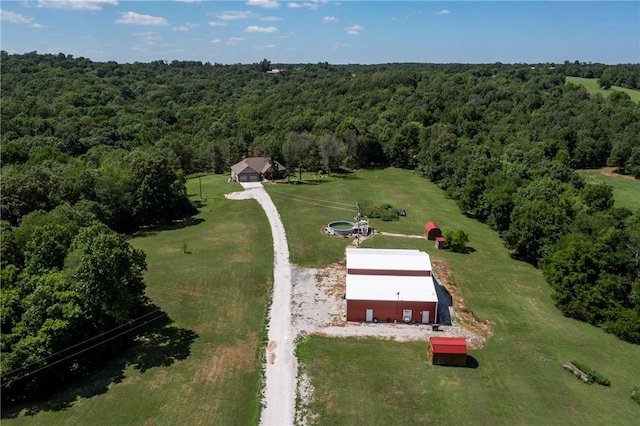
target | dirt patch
[
  {"x": 468, "y": 321},
  {"x": 237, "y": 357},
  {"x": 613, "y": 171},
  {"x": 271, "y": 347}
]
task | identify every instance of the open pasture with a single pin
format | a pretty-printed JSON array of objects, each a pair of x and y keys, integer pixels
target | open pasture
[
  {"x": 592, "y": 86},
  {"x": 519, "y": 376}
]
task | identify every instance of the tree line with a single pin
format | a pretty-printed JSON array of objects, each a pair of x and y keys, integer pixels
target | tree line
[{"x": 108, "y": 145}]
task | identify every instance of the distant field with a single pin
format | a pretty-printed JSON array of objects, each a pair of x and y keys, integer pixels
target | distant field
[
  {"x": 626, "y": 189},
  {"x": 519, "y": 379},
  {"x": 592, "y": 86},
  {"x": 207, "y": 370}
]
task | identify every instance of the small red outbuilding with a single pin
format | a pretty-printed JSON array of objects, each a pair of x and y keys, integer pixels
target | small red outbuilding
[
  {"x": 432, "y": 231},
  {"x": 440, "y": 243},
  {"x": 448, "y": 351}
]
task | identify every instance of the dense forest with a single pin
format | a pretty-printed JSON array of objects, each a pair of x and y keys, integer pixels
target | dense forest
[{"x": 92, "y": 149}]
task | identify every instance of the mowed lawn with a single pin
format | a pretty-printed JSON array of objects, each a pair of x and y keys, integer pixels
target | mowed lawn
[
  {"x": 207, "y": 368},
  {"x": 592, "y": 86},
  {"x": 519, "y": 378},
  {"x": 626, "y": 189}
]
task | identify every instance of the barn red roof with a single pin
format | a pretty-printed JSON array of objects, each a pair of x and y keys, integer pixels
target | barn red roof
[
  {"x": 440, "y": 239},
  {"x": 448, "y": 345},
  {"x": 431, "y": 225}
]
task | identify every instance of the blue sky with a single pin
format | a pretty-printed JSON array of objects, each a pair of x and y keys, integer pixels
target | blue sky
[{"x": 337, "y": 32}]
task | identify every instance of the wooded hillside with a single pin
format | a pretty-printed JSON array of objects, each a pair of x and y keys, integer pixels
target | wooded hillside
[{"x": 85, "y": 143}]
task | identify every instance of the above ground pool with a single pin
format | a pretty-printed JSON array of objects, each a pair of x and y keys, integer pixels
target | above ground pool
[{"x": 341, "y": 227}]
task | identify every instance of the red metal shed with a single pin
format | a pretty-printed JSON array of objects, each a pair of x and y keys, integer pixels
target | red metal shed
[
  {"x": 440, "y": 242},
  {"x": 448, "y": 350},
  {"x": 432, "y": 230}
]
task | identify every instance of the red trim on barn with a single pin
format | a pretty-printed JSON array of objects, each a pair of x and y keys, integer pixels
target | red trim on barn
[
  {"x": 448, "y": 345},
  {"x": 391, "y": 310},
  {"x": 394, "y": 272}
]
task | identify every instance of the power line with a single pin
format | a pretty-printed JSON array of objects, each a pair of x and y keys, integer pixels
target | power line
[
  {"x": 314, "y": 204},
  {"x": 86, "y": 341},
  {"x": 318, "y": 199}
]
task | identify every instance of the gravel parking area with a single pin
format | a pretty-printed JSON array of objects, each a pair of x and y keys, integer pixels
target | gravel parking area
[{"x": 318, "y": 307}]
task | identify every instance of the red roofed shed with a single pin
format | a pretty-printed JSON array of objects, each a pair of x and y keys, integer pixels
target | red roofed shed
[
  {"x": 440, "y": 242},
  {"x": 431, "y": 230},
  {"x": 448, "y": 351}
]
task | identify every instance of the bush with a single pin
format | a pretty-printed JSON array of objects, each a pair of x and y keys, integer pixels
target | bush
[
  {"x": 635, "y": 394},
  {"x": 593, "y": 376},
  {"x": 385, "y": 212},
  {"x": 457, "y": 240}
]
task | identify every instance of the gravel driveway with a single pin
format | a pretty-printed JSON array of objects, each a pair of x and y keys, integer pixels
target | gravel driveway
[{"x": 281, "y": 367}]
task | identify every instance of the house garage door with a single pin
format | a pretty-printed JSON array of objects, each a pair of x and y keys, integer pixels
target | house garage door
[{"x": 248, "y": 177}]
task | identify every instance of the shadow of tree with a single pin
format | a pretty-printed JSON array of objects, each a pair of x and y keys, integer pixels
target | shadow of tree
[
  {"x": 179, "y": 224},
  {"x": 157, "y": 345}
]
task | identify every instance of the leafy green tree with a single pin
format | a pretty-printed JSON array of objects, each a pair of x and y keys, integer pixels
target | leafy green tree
[
  {"x": 535, "y": 226},
  {"x": 332, "y": 151},
  {"x": 597, "y": 197},
  {"x": 107, "y": 275}
]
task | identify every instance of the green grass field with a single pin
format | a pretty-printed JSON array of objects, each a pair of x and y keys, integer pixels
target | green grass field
[
  {"x": 519, "y": 378},
  {"x": 207, "y": 370},
  {"x": 216, "y": 296},
  {"x": 592, "y": 86},
  {"x": 626, "y": 189}
]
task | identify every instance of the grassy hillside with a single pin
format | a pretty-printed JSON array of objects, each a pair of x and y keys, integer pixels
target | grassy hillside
[
  {"x": 216, "y": 295},
  {"x": 626, "y": 189},
  {"x": 519, "y": 378},
  {"x": 592, "y": 86}
]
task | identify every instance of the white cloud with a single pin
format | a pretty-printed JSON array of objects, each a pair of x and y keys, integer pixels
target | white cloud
[
  {"x": 190, "y": 1},
  {"x": 14, "y": 18},
  {"x": 271, "y": 18},
  {"x": 77, "y": 4},
  {"x": 354, "y": 29},
  {"x": 257, "y": 29},
  {"x": 329, "y": 19},
  {"x": 234, "y": 14},
  {"x": 138, "y": 19},
  {"x": 234, "y": 40},
  {"x": 268, "y": 4},
  {"x": 217, "y": 24},
  {"x": 341, "y": 46},
  {"x": 186, "y": 27},
  {"x": 314, "y": 4},
  {"x": 216, "y": 41},
  {"x": 269, "y": 46},
  {"x": 443, "y": 12}
]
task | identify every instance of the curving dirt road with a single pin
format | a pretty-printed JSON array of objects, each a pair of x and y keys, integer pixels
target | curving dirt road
[{"x": 279, "y": 394}]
